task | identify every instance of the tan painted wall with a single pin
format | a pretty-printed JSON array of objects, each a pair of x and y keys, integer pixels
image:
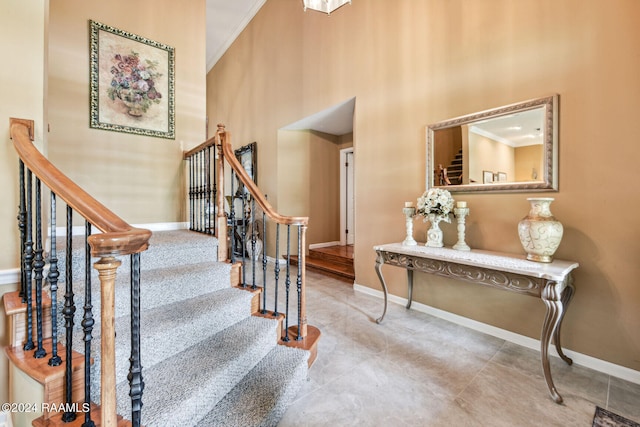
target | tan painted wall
[
  {"x": 140, "y": 178},
  {"x": 21, "y": 87},
  {"x": 527, "y": 160},
  {"x": 417, "y": 62},
  {"x": 309, "y": 181},
  {"x": 487, "y": 154},
  {"x": 22, "y": 83}
]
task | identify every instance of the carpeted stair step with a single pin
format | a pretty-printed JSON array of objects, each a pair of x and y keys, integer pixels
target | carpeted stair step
[
  {"x": 180, "y": 389},
  {"x": 159, "y": 286},
  {"x": 166, "y": 249},
  {"x": 170, "y": 329},
  {"x": 263, "y": 396}
]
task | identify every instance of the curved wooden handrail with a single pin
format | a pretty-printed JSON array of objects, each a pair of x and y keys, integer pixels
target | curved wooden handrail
[
  {"x": 117, "y": 238},
  {"x": 223, "y": 138},
  {"x": 208, "y": 143}
]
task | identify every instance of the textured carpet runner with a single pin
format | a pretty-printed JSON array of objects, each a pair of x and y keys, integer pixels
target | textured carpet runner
[{"x": 206, "y": 361}]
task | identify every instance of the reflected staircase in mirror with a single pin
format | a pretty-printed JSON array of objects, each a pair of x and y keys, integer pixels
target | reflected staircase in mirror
[
  {"x": 335, "y": 261},
  {"x": 454, "y": 171}
]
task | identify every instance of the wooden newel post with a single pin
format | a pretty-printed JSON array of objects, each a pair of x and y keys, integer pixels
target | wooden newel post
[
  {"x": 221, "y": 225},
  {"x": 303, "y": 294},
  {"x": 107, "y": 267}
]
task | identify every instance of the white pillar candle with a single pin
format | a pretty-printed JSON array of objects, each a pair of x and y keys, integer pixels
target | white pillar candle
[
  {"x": 462, "y": 204},
  {"x": 408, "y": 204}
]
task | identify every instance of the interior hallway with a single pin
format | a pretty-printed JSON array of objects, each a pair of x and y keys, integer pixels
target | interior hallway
[{"x": 418, "y": 370}]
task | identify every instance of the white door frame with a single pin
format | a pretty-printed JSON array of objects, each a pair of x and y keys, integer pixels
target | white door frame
[{"x": 347, "y": 197}]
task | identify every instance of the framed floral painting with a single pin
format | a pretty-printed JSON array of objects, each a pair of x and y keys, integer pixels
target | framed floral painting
[{"x": 132, "y": 83}]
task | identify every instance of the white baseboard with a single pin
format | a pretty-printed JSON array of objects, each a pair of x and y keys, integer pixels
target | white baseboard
[
  {"x": 9, "y": 276},
  {"x": 324, "y": 245},
  {"x": 578, "y": 358}
]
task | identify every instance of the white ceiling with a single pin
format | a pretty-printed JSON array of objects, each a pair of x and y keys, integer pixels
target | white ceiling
[
  {"x": 516, "y": 130},
  {"x": 225, "y": 21}
]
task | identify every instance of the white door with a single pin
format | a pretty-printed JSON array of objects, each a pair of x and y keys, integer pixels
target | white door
[{"x": 347, "y": 228}]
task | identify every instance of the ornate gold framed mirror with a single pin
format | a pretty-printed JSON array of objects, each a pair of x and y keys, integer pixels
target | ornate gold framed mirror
[{"x": 513, "y": 148}]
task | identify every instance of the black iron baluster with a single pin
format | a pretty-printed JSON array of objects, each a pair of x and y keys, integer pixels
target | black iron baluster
[
  {"x": 68, "y": 311},
  {"x": 191, "y": 195},
  {"x": 135, "y": 372},
  {"x": 287, "y": 284},
  {"x": 299, "y": 283},
  {"x": 201, "y": 190},
  {"x": 52, "y": 277},
  {"x": 28, "y": 266},
  {"x": 38, "y": 267},
  {"x": 215, "y": 188},
  {"x": 243, "y": 237},
  {"x": 264, "y": 263},
  {"x": 210, "y": 205},
  {"x": 87, "y": 326},
  {"x": 253, "y": 245},
  {"x": 232, "y": 218},
  {"x": 22, "y": 224}
]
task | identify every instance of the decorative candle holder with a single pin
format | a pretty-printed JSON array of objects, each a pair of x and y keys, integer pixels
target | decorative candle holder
[
  {"x": 461, "y": 213},
  {"x": 409, "y": 213}
]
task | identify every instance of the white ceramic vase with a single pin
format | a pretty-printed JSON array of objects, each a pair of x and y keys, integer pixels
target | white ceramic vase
[
  {"x": 540, "y": 233},
  {"x": 434, "y": 233}
]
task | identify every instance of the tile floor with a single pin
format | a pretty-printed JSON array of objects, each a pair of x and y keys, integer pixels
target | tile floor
[{"x": 418, "y": 370}]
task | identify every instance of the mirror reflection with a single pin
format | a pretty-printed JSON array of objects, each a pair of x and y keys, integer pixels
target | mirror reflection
[{"x": 509, "y": 148}]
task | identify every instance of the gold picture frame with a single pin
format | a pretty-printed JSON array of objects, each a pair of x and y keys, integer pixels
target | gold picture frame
[{"x": 132, "y": 83}]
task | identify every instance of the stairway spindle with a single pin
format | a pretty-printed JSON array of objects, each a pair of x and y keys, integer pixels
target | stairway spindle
[
  {"x": 22, "y": 224},
  {"x": 28, "y": 265},
  {"x": 299, "y": 282},
  {"x": 214, "y": 195},
  {"x": 264, "y": 265},
  {"x": 191, "y": 195},
  {"x": 253, "y": 245},
  {"x": 232, "y": 218},
  {"x": 287, "y": 286},
  {"x": 52, "y": 277},
  {"x": 210, "y": 201},
  {"x": 87, "y": 326},
  {"x": 135, "y": 372},
  {"x": 201, "y": 206},
  {"x": 38, "y": 267},
  {"x": 68, "y": 311},
  {"x": 276, "y": 275},
  {"x": 243, "y": 236}
]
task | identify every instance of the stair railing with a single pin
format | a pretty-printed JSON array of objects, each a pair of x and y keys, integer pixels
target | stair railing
[
  {"x": 242, "y": 240},
  {"x": 117, "y": 238}
]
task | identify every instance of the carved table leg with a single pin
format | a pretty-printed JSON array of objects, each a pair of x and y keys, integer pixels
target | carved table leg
[
  {"x": 379, "y": 262},
  {"x": 566, "y": 298},
  {"x": 554, "y": 300},
  {"x": 410, "y": 286}
]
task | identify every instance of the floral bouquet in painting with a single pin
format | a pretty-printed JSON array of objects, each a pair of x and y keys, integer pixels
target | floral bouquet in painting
[
  {"x": 134, "y": 83},
  {"x": 435, "y": 205}
]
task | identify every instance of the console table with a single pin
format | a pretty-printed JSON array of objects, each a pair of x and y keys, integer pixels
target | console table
[{"x": 552, "y": 282}]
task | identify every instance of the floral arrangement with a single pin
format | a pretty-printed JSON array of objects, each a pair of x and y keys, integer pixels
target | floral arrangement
[
  {"x": 437, "y": 203},
  {"x": 134, "y": 82}
]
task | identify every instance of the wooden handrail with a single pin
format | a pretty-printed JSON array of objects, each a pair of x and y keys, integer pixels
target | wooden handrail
[
  {"x": 118, "y": 238},
  {"x": 208, "y": 143},
  {"x": 223, "y": 138}
]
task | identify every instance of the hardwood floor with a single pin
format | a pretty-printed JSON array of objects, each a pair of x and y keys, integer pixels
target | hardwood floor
[{"x": 335, "y": 261}]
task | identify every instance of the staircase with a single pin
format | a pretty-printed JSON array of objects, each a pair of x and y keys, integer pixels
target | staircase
[
  {"x": 454, "y": 171},
  {"x": 207, "y": 361},
  {"x": 335, "y": 261}
]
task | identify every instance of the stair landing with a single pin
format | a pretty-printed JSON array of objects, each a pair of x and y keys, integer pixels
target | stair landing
[{"x": 335, "y": 261}]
